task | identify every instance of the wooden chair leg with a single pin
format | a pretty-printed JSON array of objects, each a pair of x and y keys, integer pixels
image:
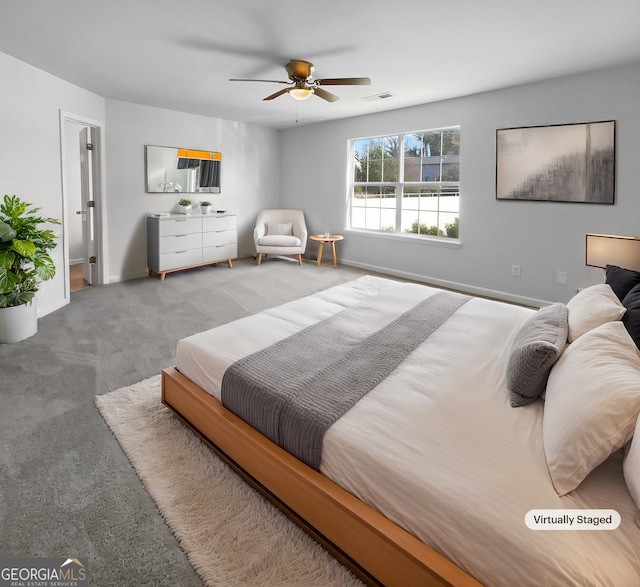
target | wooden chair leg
[
  {"x": 259, "y": 259},
  {"x": 299, "y": 257}
]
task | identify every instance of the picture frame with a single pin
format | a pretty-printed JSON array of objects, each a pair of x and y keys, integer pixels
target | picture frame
[{"x": 557, "y": 163}]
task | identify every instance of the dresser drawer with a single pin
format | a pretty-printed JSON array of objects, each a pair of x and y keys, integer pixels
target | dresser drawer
[
  {"x": 216, "y": 239},
  {"x": 180, "y": 226},
  {"x": 219, "y": 253},
  {"x": 218, "y": 223},
  {"x": 180, "y": 259},
  {"x": 180, "y": 242}
]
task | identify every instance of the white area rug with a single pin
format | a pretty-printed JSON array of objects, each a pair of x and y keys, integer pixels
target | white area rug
[{"x": 231, "y": 534}]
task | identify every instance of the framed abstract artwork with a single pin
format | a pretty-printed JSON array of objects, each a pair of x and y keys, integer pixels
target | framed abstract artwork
[{"x": 557, "y": 163}]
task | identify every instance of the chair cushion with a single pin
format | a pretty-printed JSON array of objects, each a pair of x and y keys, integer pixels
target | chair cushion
[{"x": 279, "y": 241}]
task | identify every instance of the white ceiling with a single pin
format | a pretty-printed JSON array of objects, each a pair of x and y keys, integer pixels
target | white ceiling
[{"x": 179, "y": 54}]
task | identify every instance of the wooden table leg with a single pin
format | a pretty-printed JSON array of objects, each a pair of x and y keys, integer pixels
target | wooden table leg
[
  {"x": 333, "y": 250},
  {"x": 320, "y": 252}
]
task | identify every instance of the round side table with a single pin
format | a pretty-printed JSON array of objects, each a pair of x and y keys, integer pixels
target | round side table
[{"x": 322, "y": 239}]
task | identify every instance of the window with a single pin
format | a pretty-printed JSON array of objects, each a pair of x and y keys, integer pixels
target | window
[{"x": 407, "y": 183}]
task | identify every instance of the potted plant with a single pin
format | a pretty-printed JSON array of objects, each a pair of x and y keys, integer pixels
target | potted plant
[
  {"x": 205, "y": 207},
  {"x": 24, "y": 264},
  {"x": 184, "y": 206}
]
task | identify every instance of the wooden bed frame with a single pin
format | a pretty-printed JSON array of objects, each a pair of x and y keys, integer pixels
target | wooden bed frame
[{"x": 374, "y": 548}]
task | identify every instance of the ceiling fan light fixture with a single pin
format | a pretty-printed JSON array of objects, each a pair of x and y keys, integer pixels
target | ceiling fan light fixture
[
  {"x": 301, "y": 93},
  {"x": 302, "y": 86}
]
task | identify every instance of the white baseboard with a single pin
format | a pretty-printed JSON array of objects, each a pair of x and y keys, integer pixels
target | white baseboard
[
  {"x": 128, "y": 276},
  {"x": 454, "y": 285}
]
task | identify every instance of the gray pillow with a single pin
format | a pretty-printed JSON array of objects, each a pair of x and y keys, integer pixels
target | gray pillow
[{"x": 534, "y": 351}]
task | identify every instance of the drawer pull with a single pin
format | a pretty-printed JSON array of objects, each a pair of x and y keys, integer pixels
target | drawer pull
[
  {"x": 179, "y": 235},
  {"x": 179, "y": 252}
]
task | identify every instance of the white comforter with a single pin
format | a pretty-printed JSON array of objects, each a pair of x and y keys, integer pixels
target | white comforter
[{"x": 437, "y": 448}]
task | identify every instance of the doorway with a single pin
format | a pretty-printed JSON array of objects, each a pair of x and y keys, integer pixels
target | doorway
[{"x": 82, "y": 201}]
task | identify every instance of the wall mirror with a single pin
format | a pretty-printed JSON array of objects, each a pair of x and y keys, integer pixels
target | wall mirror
[{"x": 189, "y": 171}]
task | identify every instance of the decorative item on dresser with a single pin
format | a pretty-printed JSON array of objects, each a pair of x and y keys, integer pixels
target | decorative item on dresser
[
  {"x": 184, "y": 206},
  {"x": 176, "y": 242}
]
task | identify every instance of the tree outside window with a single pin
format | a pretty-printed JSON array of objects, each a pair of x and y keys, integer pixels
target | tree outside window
[{"x": 407, "y": 183}]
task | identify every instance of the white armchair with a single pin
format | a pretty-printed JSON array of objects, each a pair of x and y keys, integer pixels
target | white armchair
[{"x": 280, "y": 232}]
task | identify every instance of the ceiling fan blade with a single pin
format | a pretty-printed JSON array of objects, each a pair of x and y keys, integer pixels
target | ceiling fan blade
[
  {"x": 272, "y": 96},
  {"x": 328, "y": 96},
  {"x": 271, "y": 81},
  {"x": 343, "y": 81}
]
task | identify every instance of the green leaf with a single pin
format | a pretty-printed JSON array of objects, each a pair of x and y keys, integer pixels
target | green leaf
[
  {"x": 7, "y": 258},
  {"x": 44, "y": 266},
  {"x": 6, "y": 232},
  {"x": 13, "y": 206},
  {"x": 16, "y": 298},
  {"x": 24, "y": 248},
  {"x": 8, "y": 280}
]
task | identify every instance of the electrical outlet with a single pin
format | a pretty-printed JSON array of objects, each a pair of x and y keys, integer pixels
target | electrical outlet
[
  {"x": 562, "y": 277},
  {"x": 515, "y": 270}
]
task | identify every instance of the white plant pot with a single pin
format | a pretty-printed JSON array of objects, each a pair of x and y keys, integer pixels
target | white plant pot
[
  {"x": 18, "y": 322},
  {"x": 205, "y": 209},
  {"x": 184, "y": 209}
]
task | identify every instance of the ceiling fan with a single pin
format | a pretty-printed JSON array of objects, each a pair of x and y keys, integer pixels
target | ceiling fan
[{"x": 303, "y": 86}]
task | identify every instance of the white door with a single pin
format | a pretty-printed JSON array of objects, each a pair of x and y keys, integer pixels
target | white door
[{"x": 88, "y": 202}]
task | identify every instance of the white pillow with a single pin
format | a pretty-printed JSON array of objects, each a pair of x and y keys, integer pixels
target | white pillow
[
  {"x": 592, "y": 403},
  {"x": 592, "y": 307},
  {"x": 631, "y": 466},
  {"x": 279, "y": 228}
]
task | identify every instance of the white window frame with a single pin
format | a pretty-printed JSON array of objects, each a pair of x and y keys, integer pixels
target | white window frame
[{"x": 399, "y": 187}]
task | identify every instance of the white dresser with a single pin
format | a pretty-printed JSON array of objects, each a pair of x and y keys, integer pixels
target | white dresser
[{"x": 179, "y": 241}]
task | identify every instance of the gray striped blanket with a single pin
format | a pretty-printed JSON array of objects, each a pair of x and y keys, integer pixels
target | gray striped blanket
[{"x": 295, "y": 389}]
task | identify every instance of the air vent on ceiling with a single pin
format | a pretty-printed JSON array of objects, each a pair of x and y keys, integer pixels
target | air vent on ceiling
[{"x": 382, "y": 96}]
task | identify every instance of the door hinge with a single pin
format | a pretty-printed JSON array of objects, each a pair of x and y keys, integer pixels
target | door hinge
[
  {"x": 89, "y": 146},
  {"x": 92, "y": 260}
]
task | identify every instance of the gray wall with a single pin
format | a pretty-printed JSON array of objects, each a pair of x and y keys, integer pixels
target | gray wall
[
  {"x": 250, "y": 175},
  {"x": 542, "y": 237},
  {"x": 30, "y": 150}
]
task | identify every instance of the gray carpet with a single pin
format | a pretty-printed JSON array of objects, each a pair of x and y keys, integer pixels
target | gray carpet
[{"x": 66, "y": 487}]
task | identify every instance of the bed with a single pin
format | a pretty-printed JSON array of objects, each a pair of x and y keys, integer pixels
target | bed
[{"x": 428, "y": 478}]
